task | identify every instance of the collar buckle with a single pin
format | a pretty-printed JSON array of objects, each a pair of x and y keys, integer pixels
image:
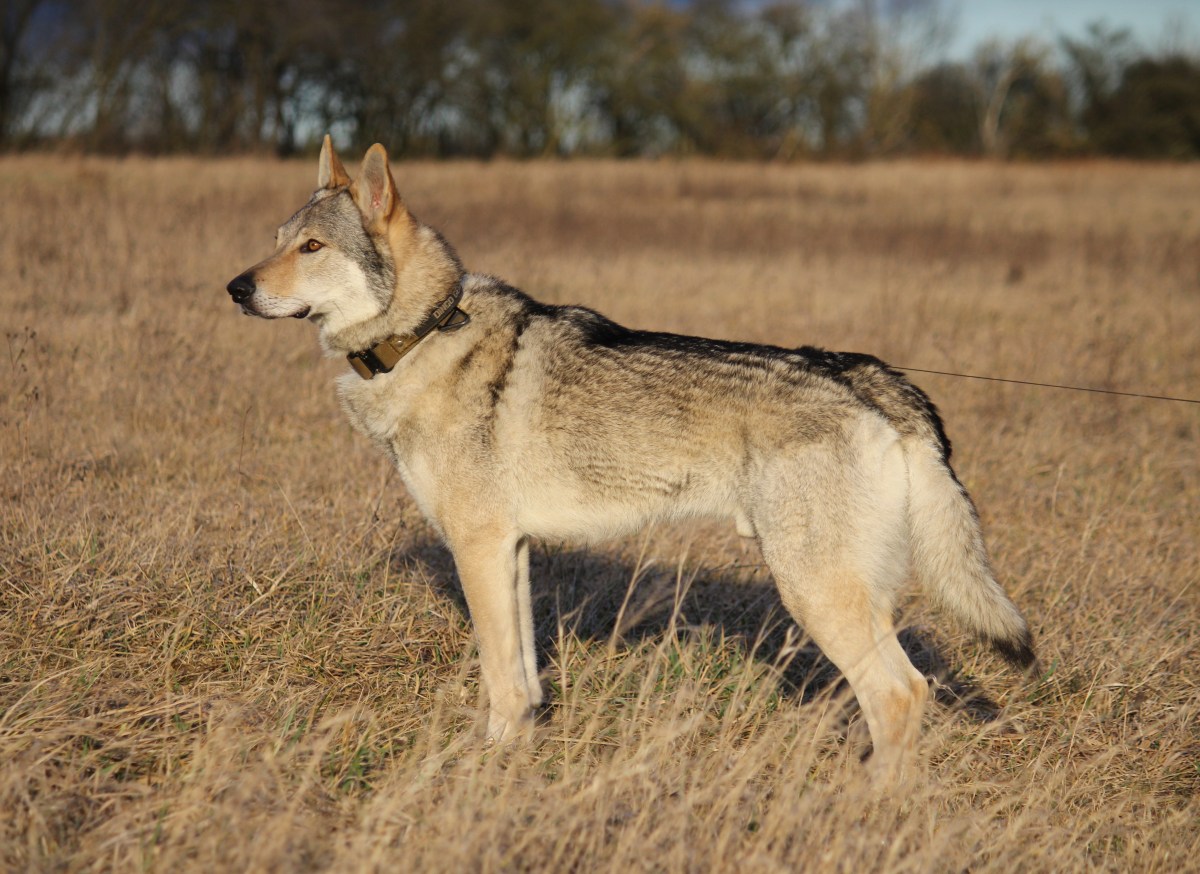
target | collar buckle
[{"x": 381, "y": 357}]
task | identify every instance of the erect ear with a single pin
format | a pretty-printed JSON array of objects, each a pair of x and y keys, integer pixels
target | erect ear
[
  {"x": 374, "y": 190},
  {"x": 330, "y": 172}
]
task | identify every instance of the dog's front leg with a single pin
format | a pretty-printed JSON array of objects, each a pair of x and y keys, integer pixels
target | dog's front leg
[
  {"x": 494, "y": 573},
  {"x": 525, "y": 612}
]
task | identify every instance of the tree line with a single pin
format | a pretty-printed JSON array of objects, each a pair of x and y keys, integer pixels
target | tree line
[{"x": 524, "y": 78}]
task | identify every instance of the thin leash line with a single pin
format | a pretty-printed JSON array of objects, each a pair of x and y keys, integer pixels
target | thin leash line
[{"x": 1102, "y": 391}]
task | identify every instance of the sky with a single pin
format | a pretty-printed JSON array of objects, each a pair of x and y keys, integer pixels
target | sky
[{"x": 1153, "y": 22}]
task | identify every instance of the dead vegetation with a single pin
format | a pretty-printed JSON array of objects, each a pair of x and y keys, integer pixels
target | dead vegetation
[{"x": 228, "y": 641}]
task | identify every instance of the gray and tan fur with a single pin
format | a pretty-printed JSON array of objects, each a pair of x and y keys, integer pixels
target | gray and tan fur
[{"x": 553, "y": 422}]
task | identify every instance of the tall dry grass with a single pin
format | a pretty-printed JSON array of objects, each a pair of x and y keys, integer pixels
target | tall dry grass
[{"x": 229, "y": 642}]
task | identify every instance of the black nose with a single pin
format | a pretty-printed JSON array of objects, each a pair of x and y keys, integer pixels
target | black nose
[{"x": 241, "y": 288}]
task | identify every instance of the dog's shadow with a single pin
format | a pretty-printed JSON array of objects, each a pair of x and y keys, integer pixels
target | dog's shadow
[{"x": 595, "y": 597}]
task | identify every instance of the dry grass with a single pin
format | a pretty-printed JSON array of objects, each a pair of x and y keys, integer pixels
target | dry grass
[{"x": 228, "y": 641}]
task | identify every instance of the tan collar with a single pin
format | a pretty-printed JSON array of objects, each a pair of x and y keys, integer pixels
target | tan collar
[{"x": 384, "y": 355}]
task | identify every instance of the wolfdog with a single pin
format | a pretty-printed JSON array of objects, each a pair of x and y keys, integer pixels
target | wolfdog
[{"x": 509, "y": 419}]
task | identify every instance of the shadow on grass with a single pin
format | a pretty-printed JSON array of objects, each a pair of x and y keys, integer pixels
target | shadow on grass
[{"x": 598, "y": 598}]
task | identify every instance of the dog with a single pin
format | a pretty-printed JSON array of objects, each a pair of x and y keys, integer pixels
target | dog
[{"x": 510, "y": 419}]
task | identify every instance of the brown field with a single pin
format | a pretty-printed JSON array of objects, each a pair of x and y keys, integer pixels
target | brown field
[{"x": 228, "y": 641}]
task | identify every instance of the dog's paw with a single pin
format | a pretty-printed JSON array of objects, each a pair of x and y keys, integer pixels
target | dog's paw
[{"x": 504, "y": 730}]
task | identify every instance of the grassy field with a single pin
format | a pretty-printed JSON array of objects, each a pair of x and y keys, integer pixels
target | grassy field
[{"x": 228, "y": 641}]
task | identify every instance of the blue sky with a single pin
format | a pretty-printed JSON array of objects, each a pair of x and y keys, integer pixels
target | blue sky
[{"x": 1152, "y": 21}]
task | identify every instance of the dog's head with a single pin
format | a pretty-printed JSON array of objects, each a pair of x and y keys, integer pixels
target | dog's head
[{"x": 335, "y": 259}]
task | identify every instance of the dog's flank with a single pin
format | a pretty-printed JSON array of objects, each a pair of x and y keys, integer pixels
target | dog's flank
[{"x": 545, "y": 421}]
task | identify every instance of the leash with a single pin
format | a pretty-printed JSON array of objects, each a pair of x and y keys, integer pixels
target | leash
[
  {"x": 385, "y": 354},
  {"x": 1103, "y": 391}
]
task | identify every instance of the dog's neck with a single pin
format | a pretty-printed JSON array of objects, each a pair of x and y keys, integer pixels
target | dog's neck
[{"x": 427, "y": 272}]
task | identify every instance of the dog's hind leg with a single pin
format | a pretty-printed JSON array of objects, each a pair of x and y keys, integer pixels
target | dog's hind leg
[
  {"x": 835, "y": 608},
  {"x": 835, "y": 536},
  {"x": 494, "y": 574}
]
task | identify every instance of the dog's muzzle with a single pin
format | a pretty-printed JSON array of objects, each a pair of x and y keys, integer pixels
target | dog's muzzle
[{"x": 243, "y": 288}]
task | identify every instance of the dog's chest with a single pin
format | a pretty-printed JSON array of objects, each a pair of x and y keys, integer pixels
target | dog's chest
[
  {"x": 395, "y": 421},
  {"x": 374, "y": 408},
  {"x": 398, "y": 419}
]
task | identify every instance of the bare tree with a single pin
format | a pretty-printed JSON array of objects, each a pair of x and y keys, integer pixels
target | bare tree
[
  {"x": 905, "y": 38},
  {"x": 998, "y": 66},
  {"x": 16, "y": 20}
]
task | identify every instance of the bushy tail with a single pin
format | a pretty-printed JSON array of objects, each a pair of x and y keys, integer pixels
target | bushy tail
[{"x": 949, "y": 556}]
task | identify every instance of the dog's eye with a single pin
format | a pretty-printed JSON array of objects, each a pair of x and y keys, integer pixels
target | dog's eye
[{"x": 311, "y": 246}]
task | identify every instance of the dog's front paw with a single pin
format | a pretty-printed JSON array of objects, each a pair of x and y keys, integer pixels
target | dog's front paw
[{"x": 503, "y": 729}]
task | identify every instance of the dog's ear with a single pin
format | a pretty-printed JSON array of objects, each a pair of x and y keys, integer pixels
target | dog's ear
[
  {"x": 330, "y": 172},
  {"x": 374, "y": 190}
]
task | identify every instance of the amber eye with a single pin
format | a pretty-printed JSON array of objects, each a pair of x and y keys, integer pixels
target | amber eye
[{"x": 311, "y": 246}]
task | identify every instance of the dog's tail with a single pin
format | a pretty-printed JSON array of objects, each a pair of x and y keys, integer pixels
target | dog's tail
[
  {"x": 949, "y": 556},
  {"x": 948, "y": 553}
]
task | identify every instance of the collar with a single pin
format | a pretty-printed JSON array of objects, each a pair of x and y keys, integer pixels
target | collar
[{"x": 385, "y": 354}]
